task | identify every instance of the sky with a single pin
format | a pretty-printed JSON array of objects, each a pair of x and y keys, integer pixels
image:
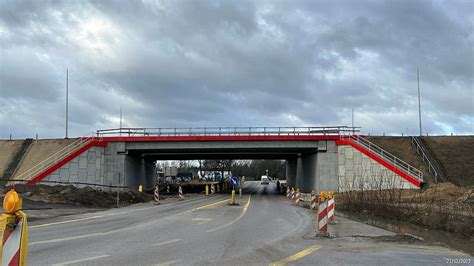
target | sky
[{"x": 193, "y": 63}]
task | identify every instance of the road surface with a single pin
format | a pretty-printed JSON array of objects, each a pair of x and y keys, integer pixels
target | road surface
[{"x": 264, "y": 229}]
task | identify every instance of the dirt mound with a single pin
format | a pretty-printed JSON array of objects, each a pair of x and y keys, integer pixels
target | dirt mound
[{"x": 87, "y": 196}]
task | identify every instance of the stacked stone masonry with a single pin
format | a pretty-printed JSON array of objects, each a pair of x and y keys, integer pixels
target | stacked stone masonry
[{"x": 359, "y": 172}]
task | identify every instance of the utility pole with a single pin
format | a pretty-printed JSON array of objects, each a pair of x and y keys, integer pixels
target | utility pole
[
  {"x": 120, "y": 117},
  {"x": 419, "y": 99},
  {"x": 67, "y": 100},
  {"x": 352, "y": 117},
  {"x": 120, "y": 130}
]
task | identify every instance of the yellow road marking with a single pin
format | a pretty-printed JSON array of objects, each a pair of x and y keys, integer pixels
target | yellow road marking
[
  {"x": 66, "y": 222},
  {"x": 233, "y": 221},
  {"x": 113, "y": 214},
  {"x": 208, "y": 205},
  {"x": 297, "y": 256}
]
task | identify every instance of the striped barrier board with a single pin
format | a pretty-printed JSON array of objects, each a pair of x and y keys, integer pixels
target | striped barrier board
[
  {"x": 314, "y": 201},
  {"x": 180, "y": 193},
  {"x": 331, "y": 210},
  {"x": 15, "y": 242},
  {"x": 297, "y": 196},
  {"x": 156, "y": 195},
  {"x": 322, "y": 215}
]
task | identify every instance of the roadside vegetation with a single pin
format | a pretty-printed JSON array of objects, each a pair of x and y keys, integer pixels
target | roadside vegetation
[{"x": 442, "y": 206}]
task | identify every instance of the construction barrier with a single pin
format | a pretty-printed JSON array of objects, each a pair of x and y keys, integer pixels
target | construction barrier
[
  {"x": 156, "y": 195},
  {"x": 232, "y": 198},
  {"x": 297, "y": 196},
  {"x": 207, "y": 190},
  {"x": 14, "y": 245},
  {"x": 218, "y": 188},
  {"x": 180, "y": 193},
  {"x": 287, "y": 192},
  {"x": 293, "y": 193},
  {"x": 213, "y": 189},
  {"x": 322, "y": 216},
  {"x": 168, "y": 189},
  {"x": 140, "y": 188},
  {"x": 314, "y": 200},
  {"x": 331, "y": 207},
  {"x": 240, "y": 193}
]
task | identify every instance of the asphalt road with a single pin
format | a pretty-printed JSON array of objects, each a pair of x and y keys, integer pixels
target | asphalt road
[{"x": 264, "y": 229}]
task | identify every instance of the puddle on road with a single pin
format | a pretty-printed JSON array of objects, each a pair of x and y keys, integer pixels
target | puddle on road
[{"x": 428, "y": 235}]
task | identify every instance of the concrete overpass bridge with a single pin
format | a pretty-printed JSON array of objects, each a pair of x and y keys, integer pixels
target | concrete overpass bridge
[{"x": 319, "y": 158}]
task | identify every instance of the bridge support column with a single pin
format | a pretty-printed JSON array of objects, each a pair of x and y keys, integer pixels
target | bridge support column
[
  {"x": 307, "y": 172},
  {"x": 291, "y": 172},
  {"x": 327, "y": 178}
]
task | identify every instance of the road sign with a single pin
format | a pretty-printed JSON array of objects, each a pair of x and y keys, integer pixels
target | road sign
[{"x": 234, "y": 181}]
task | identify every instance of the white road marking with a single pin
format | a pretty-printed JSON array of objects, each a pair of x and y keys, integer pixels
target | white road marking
[
  {"x": 78, "y": 237},
  {"x": 167, "y": 263},
  {"x": 82, "y": 260},
  {"x": 167, "y": 242},
  {"x": 202, "y": 220}
]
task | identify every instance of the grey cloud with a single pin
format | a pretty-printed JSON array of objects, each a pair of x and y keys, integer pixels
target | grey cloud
[{"x": 245, "y": 63}]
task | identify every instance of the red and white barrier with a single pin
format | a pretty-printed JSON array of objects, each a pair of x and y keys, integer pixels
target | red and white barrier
[
  {"x": 180, "y": 193},
  {"x": 213, "y": 189},
  {"x": 168, "y": 188},
  {"x": 293, "y": 193},
  {"x": 288, "y": 192},
  {"x": 314, "y": 200},
  {"x": 331, "y": 210},
  {"x": 297, "y": 196},
  {"x": 156, "y": 195},
  {"x": 218, "y": 188},
  {"x": 322, "y": 216},
  {"x": 12, "y": 243}
]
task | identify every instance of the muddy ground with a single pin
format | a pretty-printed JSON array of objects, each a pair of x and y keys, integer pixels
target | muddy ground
[{"x": 42, "y": 201}]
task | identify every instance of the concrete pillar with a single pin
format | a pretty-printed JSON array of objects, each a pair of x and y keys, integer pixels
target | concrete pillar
[
  {"x": 291, "y": 172},
  {"x": 299, "y": 172},
  {"x": 327, "y": 178},
  {"x": 308, "y": 172}
]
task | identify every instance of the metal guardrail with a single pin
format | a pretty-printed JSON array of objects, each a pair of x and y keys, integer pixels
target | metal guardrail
[
  {"x": 227, "y": 131},
  {"x": 386, "y": 156},
  {"x": 52, "y": 160},
  {"x": 426, "y": 159}
]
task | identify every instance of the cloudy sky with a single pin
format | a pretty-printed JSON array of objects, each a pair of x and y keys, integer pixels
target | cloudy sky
[{"x": 236, "y": 63}]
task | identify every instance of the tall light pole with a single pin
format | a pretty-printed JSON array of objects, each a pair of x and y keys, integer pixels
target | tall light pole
[
  {"x": 352, "y": 117},
  {"x": 419, "y": 99},
  {"x": 67, "y": 99}
]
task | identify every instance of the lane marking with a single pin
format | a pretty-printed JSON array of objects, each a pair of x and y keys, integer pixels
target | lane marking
[
  {"x": 203, "y": 220},
  {"x": 167, "y": 242},
  {"x": 305, "y": 252},
  {"x": 208, "y": 205},
  {"x": 65, "y": 222},
  {"x": 79, "y": 236},
  {"x": 244, "y": 211},
  {"x": 113, "y": 214},
  {"x": 167, "y": 263},
  {"x": 81, "y": 260},
  {"x": 65, "y": 238}
]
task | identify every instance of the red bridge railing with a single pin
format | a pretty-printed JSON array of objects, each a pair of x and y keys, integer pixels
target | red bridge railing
[{"x": 228, "y": 131}]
